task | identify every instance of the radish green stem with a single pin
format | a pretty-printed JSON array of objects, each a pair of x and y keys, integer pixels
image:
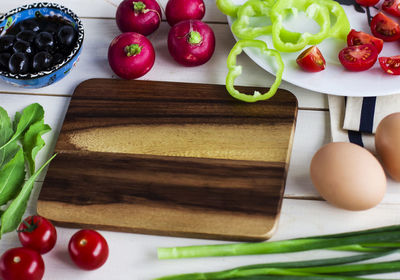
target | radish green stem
[
  {"x": 139, "y": 7},
  {"x": 133, "y": 49},
  {"x": 194, "y": 38}
]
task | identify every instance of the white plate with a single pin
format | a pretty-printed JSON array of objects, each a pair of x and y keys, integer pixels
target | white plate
[{"x": 334, "y": 79}]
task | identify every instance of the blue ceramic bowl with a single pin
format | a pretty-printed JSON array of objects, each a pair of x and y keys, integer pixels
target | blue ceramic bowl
[{"x": 56, "y": 72}]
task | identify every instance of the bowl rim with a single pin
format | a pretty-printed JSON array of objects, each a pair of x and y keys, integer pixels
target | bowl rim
[{"x": 54, "y": 68}]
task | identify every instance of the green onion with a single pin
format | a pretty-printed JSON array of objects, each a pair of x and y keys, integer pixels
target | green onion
[
  {"x": 310, "y": 267},
  {"x": 374, "y": 237}
]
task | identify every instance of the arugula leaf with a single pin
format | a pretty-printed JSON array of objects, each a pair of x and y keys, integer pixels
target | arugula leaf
[
  {"x": 13, "y": 214},
  {"x": 31, "y": 114},
  {"x": 33, "y": 142},
  {"x": 12, "y": 176},
  {"x": 17, "y": 117},
  {"x": 6, "y": 131}
]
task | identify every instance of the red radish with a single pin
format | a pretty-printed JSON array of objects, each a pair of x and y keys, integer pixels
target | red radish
[
  {"x": 179, "y": 10},
  {"x": 131, "y": 55},
  {"x": 191, "y": 42},
  {"x": 142, "y": 16}
]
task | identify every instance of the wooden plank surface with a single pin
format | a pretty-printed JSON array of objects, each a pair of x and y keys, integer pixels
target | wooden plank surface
[{"x": 228, "y": 163}]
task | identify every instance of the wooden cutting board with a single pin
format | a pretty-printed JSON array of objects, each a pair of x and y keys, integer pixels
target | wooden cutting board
[{"x": 170, "y": 158}]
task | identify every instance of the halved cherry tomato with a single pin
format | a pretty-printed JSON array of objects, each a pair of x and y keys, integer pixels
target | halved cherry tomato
[
  {"x": 88, "y": 249},
  {"x": 311, "y": 60},
  {"x": 37, "y": 233},
  {"x": 22, "y": 264},
  {"x": 355, "y": 38},
  {"x": 367, "y": 3},
  {"x": 390, "y": 65},
  {"x": 385, "y": 28},
  {"x": 358, "y": 58},
  {"x": 392, "y": 7}
]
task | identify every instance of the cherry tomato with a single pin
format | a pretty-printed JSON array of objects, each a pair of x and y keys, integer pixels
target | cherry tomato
[
  {"x": 390, "y": 65},
  {"x": 367, "y": 3},
  {"x": 37, "y": 233},
  {"x": 21, "y": 264},
  {"x": 358, "y": 58},
  {"x": 385, "y": 28},
  {"x": 88, "y": 249},
  {"x": 392, "y": 7},
  {"x": 355, "y": 38},
  {"x": 311, "y": 60}
]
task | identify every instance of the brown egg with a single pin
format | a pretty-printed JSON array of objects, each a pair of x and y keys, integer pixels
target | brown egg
[
  {"x": 387, "y": 144},
  {"x": 348, "y": 176}
]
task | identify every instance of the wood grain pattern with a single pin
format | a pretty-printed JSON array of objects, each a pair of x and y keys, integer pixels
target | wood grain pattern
[{"x": 170, "y": 158}]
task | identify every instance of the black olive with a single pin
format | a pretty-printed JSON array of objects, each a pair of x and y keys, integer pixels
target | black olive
[
  {"x": 26, "y": 35},
  {"x": 44, "y": 41},
  {"x": 57, "y": 58},
  {"x": 23, "y": 47},
  {"x": 4, "y": 58},
  {"x": 50, "y": 27},
  {"x": 30, "y": 24},
  {"x": 19, "y": 63},
  {"x": 66, "y": 35},
  {"x": 41, "y": 61},
  {"x": 6, "y": 43}
]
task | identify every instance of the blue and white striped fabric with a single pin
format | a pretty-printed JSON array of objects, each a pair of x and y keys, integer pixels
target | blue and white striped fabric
[{"x": 354, "y": 119}]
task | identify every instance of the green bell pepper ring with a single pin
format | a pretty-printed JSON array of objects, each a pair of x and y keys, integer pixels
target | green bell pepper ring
[
  {"x": 252, "y": 8},
  {"x": 287, "y": 41},
  {"x": 236, "y": 70},
  {"x": 227, "y": 7},
  {"x": 340, "y": 27}
]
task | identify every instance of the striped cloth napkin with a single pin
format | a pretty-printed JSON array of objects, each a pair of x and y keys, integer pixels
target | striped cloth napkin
[{"x": 354, "y": 119}]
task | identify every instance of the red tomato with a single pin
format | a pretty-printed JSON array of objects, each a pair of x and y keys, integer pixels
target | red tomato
[
  {"x": 355, "y": 38},
  {"x": 37, "y": 233},
  {"x": 358, "y": 58},
  {"x": 21, "y": 264},
  {"x": 311, "y": 60},
  {"x": 392, "y": 7},
  {"x": 390, "y": 65},
  {"x": 367, "y": 3},
  {"x": 385, "y": 28},
  {"x": 88, "y": 249}
]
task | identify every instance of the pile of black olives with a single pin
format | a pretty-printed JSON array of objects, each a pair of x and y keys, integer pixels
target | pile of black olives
[{"x": 36, "y": 44}]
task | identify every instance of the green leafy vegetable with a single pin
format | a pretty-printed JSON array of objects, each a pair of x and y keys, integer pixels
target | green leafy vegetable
[
  {"x": 28, "y": 127},
  {"x": 12, "y": 176},
  {"x": 33, "y": 142},
  {"x": 30, "y": 115},
  {"x": 6, "y": 131},
  {"x": 13, "y": 214}
]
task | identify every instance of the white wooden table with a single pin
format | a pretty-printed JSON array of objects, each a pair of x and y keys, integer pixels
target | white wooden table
[{"x": 133, "y": 256}]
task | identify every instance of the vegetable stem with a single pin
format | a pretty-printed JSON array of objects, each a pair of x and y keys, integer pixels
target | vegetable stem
[
  {"x": 194, "y": 38},
  {"x": 133, "y": 49},
  {"x": 139, "y": 7}
]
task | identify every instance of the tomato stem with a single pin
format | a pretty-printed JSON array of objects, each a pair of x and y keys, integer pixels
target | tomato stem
[
  {"x": 133, "y": 49},
  {"x": 139, "y": 7},
  {"x": 194, "y": 38},
  {"x": 30, "y": 227}
]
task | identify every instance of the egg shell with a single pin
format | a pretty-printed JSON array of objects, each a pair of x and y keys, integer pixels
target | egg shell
[
  {"x": 348, "y": 176},
  {"x": 387, "y": 144}
]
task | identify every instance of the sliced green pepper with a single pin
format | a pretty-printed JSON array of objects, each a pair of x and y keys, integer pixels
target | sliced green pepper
[
  {"x": 287, "y": 41},
  {"x": 340, "y": 27},
  {"x": 236, "y": 70},
  {"x": 252, "y": 8},
  {"x": 227, "y": 7}
]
